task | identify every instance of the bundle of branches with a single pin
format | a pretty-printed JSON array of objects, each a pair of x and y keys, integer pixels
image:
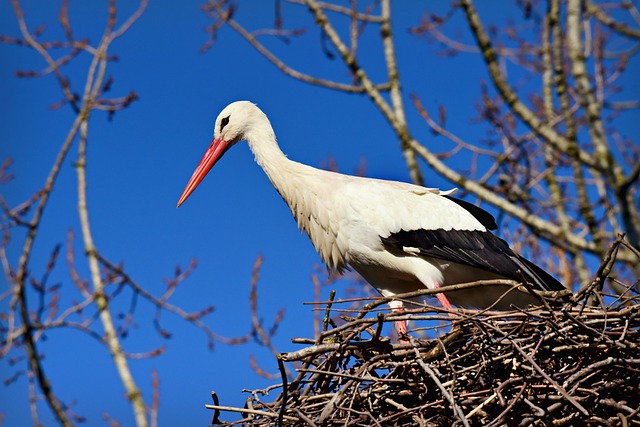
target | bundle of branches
[{"x": 574, "y": 363}]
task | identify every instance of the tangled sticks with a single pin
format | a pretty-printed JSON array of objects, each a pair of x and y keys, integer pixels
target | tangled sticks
[{"x": 571, "y": 364}]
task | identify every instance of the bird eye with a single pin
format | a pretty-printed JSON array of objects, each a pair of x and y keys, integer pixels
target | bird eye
[{"x": 224, "y": 122}]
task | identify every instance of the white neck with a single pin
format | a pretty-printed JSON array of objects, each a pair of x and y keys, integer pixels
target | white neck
[
  {"x": 263, "y": 145},
  {"x": 300, "y": 186}
]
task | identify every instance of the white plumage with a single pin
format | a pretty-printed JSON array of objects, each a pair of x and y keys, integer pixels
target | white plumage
[{"x": 400, "y": 237}]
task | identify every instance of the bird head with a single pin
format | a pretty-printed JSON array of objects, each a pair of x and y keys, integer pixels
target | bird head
[{"x": 232, "y": 125}]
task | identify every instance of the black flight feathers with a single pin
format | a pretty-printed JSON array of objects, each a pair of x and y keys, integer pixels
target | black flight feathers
[
  {"x": 481, "y": 215},
  {"x": 479, "y": 249}
]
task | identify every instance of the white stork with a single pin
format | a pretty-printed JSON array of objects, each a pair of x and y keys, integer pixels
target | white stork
[{"x": 400, "y": 237}]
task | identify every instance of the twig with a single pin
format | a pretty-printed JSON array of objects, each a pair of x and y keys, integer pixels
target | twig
[
  {"x": 456, "y": 409},
  {"x": 285, "y": 390}
]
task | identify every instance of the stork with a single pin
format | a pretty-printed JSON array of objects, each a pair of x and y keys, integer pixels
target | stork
[{"x": 400, "y": 237}]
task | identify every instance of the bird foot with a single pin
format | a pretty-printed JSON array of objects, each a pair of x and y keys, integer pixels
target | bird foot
[{"x": 401, "y": 330}]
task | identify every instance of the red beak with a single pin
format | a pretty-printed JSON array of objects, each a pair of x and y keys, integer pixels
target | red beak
[{"x": 215, "y": 151}]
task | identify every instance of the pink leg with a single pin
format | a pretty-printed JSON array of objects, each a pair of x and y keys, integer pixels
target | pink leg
[
  {"x": 442, "y": 298},
  {"x": 400, "y": 325}
]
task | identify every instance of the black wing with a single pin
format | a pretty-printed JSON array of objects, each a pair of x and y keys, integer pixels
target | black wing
[
  {"x": 480, "y": 214},
  {"x": 479, "y": 249}
]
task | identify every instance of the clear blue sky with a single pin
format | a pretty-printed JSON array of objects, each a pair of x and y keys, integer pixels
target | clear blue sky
[{"x": 140, "y": 161}]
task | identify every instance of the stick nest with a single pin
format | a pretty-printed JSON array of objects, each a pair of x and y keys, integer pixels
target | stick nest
[{"x": 564, "y": 364}]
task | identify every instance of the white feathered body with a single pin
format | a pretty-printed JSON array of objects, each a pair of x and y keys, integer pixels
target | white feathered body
[{"x": 346, "y": 216}]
